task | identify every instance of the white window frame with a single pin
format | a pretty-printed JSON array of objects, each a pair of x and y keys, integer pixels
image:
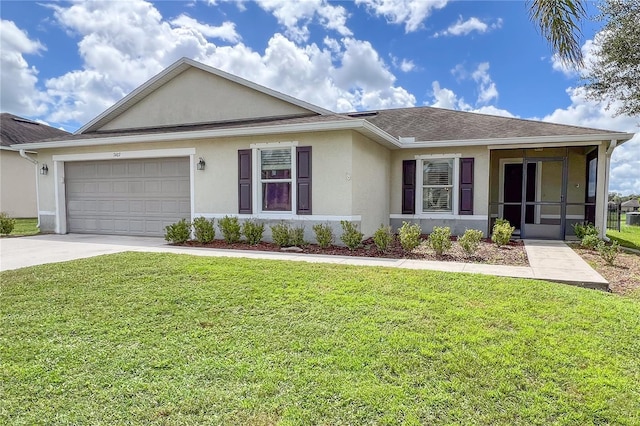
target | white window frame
[
  {"x": 455, "y": 184},
  {"x": 257, "y": 177}
]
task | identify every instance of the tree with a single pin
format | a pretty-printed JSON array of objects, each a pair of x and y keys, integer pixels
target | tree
[
  {"x": 614, "y": 73},
  {"x": 559, "y": 22}
]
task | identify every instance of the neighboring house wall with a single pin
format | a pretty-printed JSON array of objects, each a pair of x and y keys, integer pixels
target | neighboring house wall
[
  {"x": 458, "y": 223},
  {"x": 16, "y": 172},
  {"x": 196, "y": 96}
]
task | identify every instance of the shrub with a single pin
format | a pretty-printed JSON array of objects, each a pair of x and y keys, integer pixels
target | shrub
[
  {"x": 351, "y": 237},
  {"x": 281, "y": 235},
  {"x": 230, "y": 228},
  {"x": 6, "y": 224},
  {"x": 324, "y": 235},
  {"x": 409, "y": 235},
  {"x": 383, "y": 237},
  {"x": 590, "y": 241},
  {"x": 296, "y": 236},
  {"x": 609, "y": 252},
  {"x": 583, "y": 229},
  {"x": 252, "y": 231},
  {"x": 203, "y": 230},
  {"x": 440, "y": 239},
  {"x": 502, "y": 231},
  {"x": 178, "y": 233},
  {"x": 470, "y": 241}
]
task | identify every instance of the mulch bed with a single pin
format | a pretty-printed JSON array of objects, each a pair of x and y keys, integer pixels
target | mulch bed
[
  {"x": 623, "y": 275},
  {"x": 513, "y": 254}
]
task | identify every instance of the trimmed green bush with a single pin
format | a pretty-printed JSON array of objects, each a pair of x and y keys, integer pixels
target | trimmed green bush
[
  {"x": 583, "y": 229},
  {"x": 324, "y": 235},
  {"x": 281, "y": 235},
  {"x": 609, "y": 252},
  {"x": 179, "y": 232},
  {"x": 502, "y": 231},
  {"x": 470, "y": 241},
  {"x": 252, "y": 231},
  {"x": 383, "y": 237},
  {"x": 351, "y": 237},
  {"x": 590, "y": 241},
  {"x": 409, "y": 235},
  {"x": 296, "y": 236},
  {"x": 203, "y": 230},
  {"x": 230, "y": 228},
  {"x": 6, "y": 224},
  {"x": 440, "y": 239}
]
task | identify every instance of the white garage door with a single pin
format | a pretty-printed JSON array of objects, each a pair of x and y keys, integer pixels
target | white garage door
[{"x": 127, "y": 197}]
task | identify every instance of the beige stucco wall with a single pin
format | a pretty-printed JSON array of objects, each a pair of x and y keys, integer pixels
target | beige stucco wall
[
  {"x": 196, "y": 96},
  {"x": 371, "y": 178},
  {"x": 480, "y": 174},
  {"x": 17, "y": 185}
]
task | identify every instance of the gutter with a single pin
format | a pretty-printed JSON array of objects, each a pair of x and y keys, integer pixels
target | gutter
[{"x": 33, "y": 161}]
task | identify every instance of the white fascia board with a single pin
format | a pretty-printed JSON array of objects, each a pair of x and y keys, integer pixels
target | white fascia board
[{"x": 207, "y": 134}]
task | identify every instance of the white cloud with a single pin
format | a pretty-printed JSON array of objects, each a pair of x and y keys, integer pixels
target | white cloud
[
  {"x": 486, "y": 86},
  {"x": 472, "y": 24},
  {"x": 226, "y": 31},
  {"x": 411, "y": 13},
  {"x": 18, "y": 91},
  {"x": 446, "y": 98},
  {"x": 296, "y": 15}
]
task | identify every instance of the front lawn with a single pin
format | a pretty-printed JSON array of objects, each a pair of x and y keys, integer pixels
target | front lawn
[
  {"x": 629, "y": 236},
  {"x": 25, "y": 227},
  {"x": 139, "y": 338}
]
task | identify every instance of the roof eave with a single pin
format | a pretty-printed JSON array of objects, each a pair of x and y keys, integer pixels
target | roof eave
[{"x": 503, "y": 143}]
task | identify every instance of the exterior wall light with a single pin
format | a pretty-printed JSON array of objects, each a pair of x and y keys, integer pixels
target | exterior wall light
[
  {"x": 44, "y": 170},
  {"x": 201, "y": 164}
]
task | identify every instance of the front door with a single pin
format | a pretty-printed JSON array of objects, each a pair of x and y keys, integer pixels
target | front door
[
  {"x": 548, "y": 207},
  {"x": 513, "y": 190}
]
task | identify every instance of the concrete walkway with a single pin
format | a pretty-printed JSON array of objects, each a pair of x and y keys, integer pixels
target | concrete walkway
[{"x": 549, "y": 260}]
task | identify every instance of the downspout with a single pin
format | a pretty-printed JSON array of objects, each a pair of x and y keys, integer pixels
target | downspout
[
  {"x": 24, "y": 155},
  {"x": 607, "y": 171}
]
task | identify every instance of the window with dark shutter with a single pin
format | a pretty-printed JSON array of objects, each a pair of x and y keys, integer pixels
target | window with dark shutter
[
  {"x": 244, "y": 182},
  {"x": 303, "y": 179},
  {"x": 466, "y": 186},
  {"x": 408, "y": 187}
]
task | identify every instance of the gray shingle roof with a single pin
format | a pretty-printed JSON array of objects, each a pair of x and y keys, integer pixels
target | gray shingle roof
[
  {"x": 17, "y": 130},
  {"x": 631, "y": 203},
  {"x": 437, "y": 124}
]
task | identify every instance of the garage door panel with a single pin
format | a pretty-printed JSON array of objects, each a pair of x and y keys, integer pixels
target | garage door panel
[{"x": 127, "y": 197}]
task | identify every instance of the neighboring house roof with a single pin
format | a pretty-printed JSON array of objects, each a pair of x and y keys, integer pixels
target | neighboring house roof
[
  {"x": 631, "y": 203},
  {"x": 16, "y": 130}
]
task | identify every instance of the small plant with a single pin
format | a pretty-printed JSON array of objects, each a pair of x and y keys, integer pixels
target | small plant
[
  {"x": 502, "y": 231},
  {"x": 296, "y": 236},
  {"x": 590, "y": 241},
  {"x": 324, "y": 235},
  {"x": 440, "y": 239},
  {"x": 203, "y": 230},
  {"x": 351, "y": 237},
  {"x": 230, "y": 228},
  {"x": 6, "y": 224},
  {"x": 281, "y": 235},
  {"x": 470, "y": 241},
  {"x": 583, "y": 229},
  {"x": 409, "y": 235},
  {"x": 178, "y": 233},
  {"x": 608, "y": 252},
  {"x": 383, "y": 237},
  {"x": 252, "y": 231}
]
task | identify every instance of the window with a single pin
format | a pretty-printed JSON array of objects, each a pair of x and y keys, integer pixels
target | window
[
  {"x": 437, "y": 185},
  {"x": 275, "y": 179}
]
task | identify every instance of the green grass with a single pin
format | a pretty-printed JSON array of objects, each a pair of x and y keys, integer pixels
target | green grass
[
  {"x": 139, "y": 338},
  {"x": 629, "y": 236},
  {"x": 25, "y": 227}
]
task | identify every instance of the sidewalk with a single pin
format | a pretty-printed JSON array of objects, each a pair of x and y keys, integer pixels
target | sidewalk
[{"x": 548, "y": 260}]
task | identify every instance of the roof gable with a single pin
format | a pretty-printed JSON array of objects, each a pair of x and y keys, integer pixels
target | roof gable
[{"x": 189, "y": 92}]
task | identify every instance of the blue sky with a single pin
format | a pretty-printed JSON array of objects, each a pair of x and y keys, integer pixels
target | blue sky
[{"x": 65, "y": 62}]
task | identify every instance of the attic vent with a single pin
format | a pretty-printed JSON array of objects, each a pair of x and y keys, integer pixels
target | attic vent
[
  {"x": 363, "y": 114},
  {"x": 407, "y": 140},
  {"x": 24, "y": 120}
]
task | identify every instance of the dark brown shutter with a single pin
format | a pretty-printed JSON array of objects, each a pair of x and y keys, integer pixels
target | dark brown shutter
[
  {"x": 409, "y": 187},
  {"x": 303, "y": 179},
  {"x": 244, "y": 181},
  {"x": 466, "y": 186}
]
